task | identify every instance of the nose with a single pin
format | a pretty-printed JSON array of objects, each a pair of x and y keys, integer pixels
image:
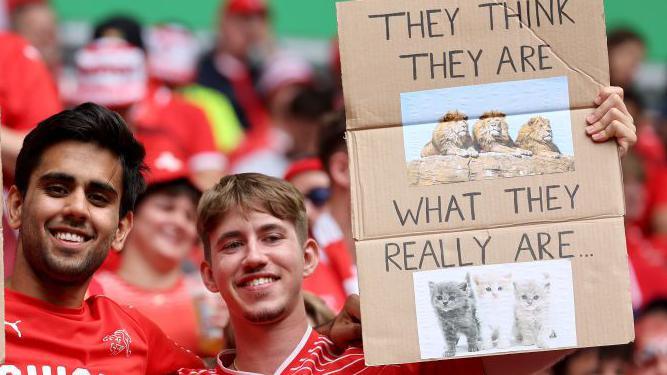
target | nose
[
  {"x": 76, "y": 205},
  {"x": 255, "y": 258}
]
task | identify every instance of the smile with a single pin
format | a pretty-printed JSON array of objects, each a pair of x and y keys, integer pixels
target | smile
[
  {"x": 69, "y": 236},
  {"x": 257, "y": 281}
]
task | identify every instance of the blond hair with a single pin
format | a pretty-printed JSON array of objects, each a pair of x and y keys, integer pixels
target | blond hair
[{"x": 250, "y": 192}]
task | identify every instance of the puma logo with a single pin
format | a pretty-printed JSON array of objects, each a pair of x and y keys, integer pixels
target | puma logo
[{"x": 15, "y": 327}]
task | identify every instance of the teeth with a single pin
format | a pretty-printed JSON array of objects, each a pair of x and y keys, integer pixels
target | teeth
[
  {"x": 70, "y": 237},
  {"x": 260, "y": 281}
]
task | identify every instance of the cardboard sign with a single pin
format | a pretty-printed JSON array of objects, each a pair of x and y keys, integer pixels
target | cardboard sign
[{"x": 486, "y": 221}]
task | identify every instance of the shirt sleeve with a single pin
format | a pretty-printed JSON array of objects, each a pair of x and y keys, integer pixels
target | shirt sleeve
[
  {"x": 164, "y": 355},
  {"x": 30, "y": 94}
]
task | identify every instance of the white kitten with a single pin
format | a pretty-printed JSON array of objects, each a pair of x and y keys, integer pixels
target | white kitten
[
  {"x": 532, "y": 311},
  {"x": 495, "y": 309}
]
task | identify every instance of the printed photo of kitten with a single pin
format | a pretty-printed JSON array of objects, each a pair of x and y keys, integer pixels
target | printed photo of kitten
[
  {"x": 532, "y": 311},
  {"x": 455, "y": 309},
  {"x": 494, "y": 297}
]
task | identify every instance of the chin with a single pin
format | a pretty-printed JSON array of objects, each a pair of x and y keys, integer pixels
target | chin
[{"x": 265, "y": 315}]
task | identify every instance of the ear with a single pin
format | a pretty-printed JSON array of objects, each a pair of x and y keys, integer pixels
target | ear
[
  {"x": 339, "y": 168},
  {"x": 311, "y": 257},
  {"x": 14, "y": 207},
  {"x": 206, "y": 272},
  {"x": 463, "y": 286},
  {"x": 124, "y": 227}
]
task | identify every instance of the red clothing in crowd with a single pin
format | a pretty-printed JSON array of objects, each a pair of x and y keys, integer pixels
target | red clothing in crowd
[
  {"x": 648, "y": 260},
  {"x": 335, "y": 275},
  {"x": 188, "y": 300},
  {"x": 28, "y": 94},
  {"x": 171, "y": 128},
  {"x": 315, "y": 355},
  {"x": 100, "y": 337}
]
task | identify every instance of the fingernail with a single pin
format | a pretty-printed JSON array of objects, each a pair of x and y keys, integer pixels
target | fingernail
[
  {"x": 591, "y": 118},
  {"x": 589, "y": 129},
  {"x": 597, "y": 136},
  {"x": 598, "y": 99}
]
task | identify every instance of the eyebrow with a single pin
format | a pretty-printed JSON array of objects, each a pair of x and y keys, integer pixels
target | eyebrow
[
  {"x": 69, "y": 179},
  {"x": 270, "y": 227},
  {"x": 226, "y": 235}
]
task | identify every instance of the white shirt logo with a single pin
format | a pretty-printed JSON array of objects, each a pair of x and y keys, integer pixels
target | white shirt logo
[
  {"x": 168, "y": 162},
  {"x": 15, "y": 327},
  {"x": 120, "y": 342}
]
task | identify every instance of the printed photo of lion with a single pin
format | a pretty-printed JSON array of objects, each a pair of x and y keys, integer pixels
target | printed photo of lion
[
  {"x": 451, "y": 137},
  {"x": 491, "y": 134},
  {"x": 537, "y": 136}
]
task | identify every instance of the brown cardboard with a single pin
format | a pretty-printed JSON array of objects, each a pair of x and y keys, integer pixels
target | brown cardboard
[
  {"x": 599, "y": 267},
  {"x": 398, "y": 107}
]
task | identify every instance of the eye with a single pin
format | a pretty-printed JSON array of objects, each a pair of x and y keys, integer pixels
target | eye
[
  {"x": 439, "y": 298},
  {"x": 451, "y": 298},
  {"x": 98, "y": 199},
  {"x": 536, "y": 298},
  {"x": 524, "y": 297},
  {"x": 500, "y": 288},
  {"x": 231, "y": 246},
  {"x": 273, "y": 237},
  {"x": 488, "y": 288},
  {"x": 56, "y": 190}
]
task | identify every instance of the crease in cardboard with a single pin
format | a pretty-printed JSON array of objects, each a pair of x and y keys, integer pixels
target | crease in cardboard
[
  {"x": 556, "y": 54},
  {"x": 578, "y": 219}
]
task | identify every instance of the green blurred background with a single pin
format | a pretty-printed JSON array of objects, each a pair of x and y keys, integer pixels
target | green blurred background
[{"x": 316, "y": 19}]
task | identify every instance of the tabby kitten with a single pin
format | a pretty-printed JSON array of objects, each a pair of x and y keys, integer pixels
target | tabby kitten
[
  {"x": 494, "y": 297},
  {"x": 455, "y": 309},
  {"x": 532, "y": 311}
]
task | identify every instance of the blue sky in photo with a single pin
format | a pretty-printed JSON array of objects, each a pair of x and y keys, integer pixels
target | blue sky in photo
[{"x": 520, "y": 100}]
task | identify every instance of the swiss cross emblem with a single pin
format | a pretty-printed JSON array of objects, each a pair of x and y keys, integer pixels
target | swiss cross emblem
[
  {"x": 168, "y": 162},
  {"x": 120, "y": 342}
]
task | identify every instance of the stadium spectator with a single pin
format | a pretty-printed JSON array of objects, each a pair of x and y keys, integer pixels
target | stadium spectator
[
  {"x": 78, "y": 175},
  {"x": 36, "y": 21},
  {"x": 335, "y": 275},
  {"x": 627, "y": 50},
  {"x": 650, "y": 348},
  {"x": 150, "y": 276},
  {"x": 112, "y": 72}
]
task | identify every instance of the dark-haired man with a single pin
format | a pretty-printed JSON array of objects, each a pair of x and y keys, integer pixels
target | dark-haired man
[{"x": 78, "y": 175}]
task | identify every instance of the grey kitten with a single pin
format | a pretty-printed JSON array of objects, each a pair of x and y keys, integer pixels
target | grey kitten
[
  {"x": 455, "y": 308},
  {"x": 532, "y": 311}
]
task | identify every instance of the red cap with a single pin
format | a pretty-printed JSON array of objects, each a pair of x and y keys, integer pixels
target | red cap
[
  {"x": 303, "y": 165},
  {"x": 246, "y": 6},
  {"x": 165, "y": 166}
]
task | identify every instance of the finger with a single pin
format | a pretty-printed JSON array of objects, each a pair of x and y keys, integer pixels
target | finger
[
  {"x": 613, "y": 101},
  {"x": 608, "y": 118},
  {"x": 618, "y": 130},
  {"x": 353, "y": 307},
  {"x": 608, "y": 91}
]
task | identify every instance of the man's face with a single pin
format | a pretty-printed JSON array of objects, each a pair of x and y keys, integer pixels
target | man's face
[
  {"x": 313, "y": 185},
  {"x": 258, "y": 265},
  {"x": 164, "y": 228},
  {"x": 624, "y": 62},
  {"x": 241, "y": 34},
  {"x": 69, "y": 217}
]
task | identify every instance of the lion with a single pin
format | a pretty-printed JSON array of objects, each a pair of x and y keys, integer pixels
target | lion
[
  {"x": 491, "y": 134},
  {"x": 451, "y": 137},
  {"x": 536, "y": 135}
]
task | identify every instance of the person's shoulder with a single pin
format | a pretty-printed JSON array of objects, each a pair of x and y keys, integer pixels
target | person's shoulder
[{"x": 105, "y": 305}]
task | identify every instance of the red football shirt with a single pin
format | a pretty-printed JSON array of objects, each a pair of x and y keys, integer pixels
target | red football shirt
[
  {"x": 100, "y": 337},
  {"x": 315, "y": 355}
]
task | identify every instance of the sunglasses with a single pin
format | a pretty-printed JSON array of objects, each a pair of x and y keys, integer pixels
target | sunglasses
[{"x": 318, "y": 196}]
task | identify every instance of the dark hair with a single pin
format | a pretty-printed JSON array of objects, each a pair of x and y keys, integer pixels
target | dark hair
[
  {"x": 310, "y": 104},
  {"x": 623, "y": 35},
  {"x": 172, "y": 188},
  {"x": 332, "y": 137},
  {"x": 127, "y": 26},
  {"x": 657, "y": 306},
  {"x": 87, "y": 123}
]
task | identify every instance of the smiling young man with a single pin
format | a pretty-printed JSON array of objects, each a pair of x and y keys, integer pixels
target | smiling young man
[
  {"x": 77, "y": 178},
  {"x": 254, "y": 229}
]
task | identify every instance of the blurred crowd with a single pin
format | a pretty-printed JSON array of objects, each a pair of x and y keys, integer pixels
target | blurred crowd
[{"x": 248, "y": 106}]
